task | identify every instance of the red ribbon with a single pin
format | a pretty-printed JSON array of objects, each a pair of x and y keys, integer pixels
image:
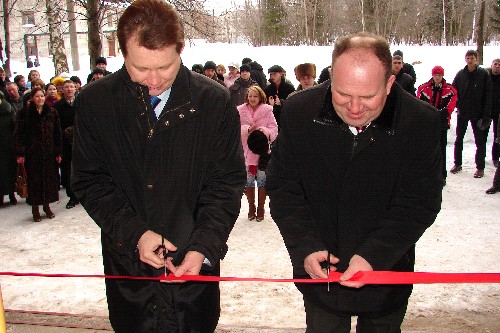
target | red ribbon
[{"x": 373, "y": 277}]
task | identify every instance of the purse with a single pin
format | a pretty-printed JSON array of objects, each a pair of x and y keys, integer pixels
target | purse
[{"x": 20, "y": 185}]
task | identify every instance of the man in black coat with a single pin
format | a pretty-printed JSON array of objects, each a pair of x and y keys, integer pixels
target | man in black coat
[
  {"x": 403, "y": 79},
  {"x": 495, "y": 108},
  {"x": 256, "y": 72},
  {"x": 66, "y": 114},
  {"x": 353, "y": 182},
  {"x": 473, "y": 85},
  {"x": 278, "y": 90},
  {"x": 407, "y": 67},
  {"x": 158, "y": 164}
]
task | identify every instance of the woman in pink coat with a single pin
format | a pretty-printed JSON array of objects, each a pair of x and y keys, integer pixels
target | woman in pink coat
[{"x": 256, "y": 115}]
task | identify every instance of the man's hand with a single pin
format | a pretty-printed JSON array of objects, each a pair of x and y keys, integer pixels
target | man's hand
[
  {"x": 312, "y": 264},
  {"x": 191, "y": 265},
  {"x": 356, "y": 264},
  {"x": 147, "y": 246},
  {"x": 277, "y": 100}
]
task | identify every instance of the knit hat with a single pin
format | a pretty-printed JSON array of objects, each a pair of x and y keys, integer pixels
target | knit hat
[
  {"x": 210, "y": 65},
  {"x": 100, "y": 60},
  {"x": 398, "y": 52},
  {"x": 98, "y": 70},
  {"x": 246, "y": 61},
  {"x": 438, "y": 70},
  {"x": 245, "y": 68},
  {"x": 276, "y": 69},
  {"x": 258, "y": 142},
  {"x": 306, "y": 69}
]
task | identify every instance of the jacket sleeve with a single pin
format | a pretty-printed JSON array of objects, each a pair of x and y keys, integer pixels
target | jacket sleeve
[
  {"x": 487, "y": 98},
  {"x": 220, "y": 197},
  {"x": 57, "y": 136},
  {"x": 289, "y": 207},
  {"x": 415, "y": 205},
  {"x": 93, "y": 185}
]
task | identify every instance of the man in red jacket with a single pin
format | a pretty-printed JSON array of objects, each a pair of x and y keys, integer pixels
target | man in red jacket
[{"x": 443, "y": 97}]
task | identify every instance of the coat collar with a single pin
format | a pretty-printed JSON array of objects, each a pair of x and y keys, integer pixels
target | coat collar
[{"x": 386, "y": 121}]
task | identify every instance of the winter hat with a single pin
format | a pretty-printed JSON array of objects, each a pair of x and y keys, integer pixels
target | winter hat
[
  {"x": 233, "y": 64},
  {"x": 100, "y": 60},
  {"x": 398, "y": 52},
  {"x": 438, "y": 70},
  {"x": 306, "y": 69},
  {"x": 98, "y": 70},
  {"x": 76, "y": 79},
  {"x": 245, "y": 68},
  {"x": 210, "y": 65},
  {"x": 198, "y": 68},
  {"x": 258, "y": 142},
  {"x": 276, "y": 69},
  {"x": 246, "y": 61}
]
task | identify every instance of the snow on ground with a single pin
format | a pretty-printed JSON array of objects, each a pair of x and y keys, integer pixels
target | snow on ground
[{"x": 464, "y": 238}]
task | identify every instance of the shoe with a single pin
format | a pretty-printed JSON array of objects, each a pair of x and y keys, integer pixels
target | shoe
[
  {"x": 495, "y": 163},
  {"x": 48, "y": 212},
  {"x": 456, "y": 169},
  {"x": 36, "y": 213},
  {"x": 479, "y": 173},
  {"x": 492, "y": 190},
  {"x": 71, "y": 203},
  {"x": 12, "y": 199}
]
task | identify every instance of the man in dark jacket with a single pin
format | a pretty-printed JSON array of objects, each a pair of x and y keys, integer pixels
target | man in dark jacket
[
  {"x": 353, "y": 182},
  {"x": 473, "y": 85},
  {"x": 407, "y": 68},
  {"x": 240, "y": 87},
  {"x": 256, "y": 72},
  {"x": 102, "y": 63},
  {"x": 403, "y": 79},
  {"x": 158, "y": 164},
  {"x": 278, "y": 90},
  {"x": 495, "y": 107},
  {"x": 66, "y": 114}
]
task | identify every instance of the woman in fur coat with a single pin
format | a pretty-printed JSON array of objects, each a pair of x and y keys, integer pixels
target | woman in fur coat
[{"x": 256, "y": 115}]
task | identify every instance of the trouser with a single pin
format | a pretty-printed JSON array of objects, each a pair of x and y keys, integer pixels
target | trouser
[
  {"x": 495, "y": 148},
  {"x": 480, "y": 137},
  {"x": 496, "y": 178},
  {"x": 319, "y": 320},
  {"x": 65, "y": 167},
  {"x": 444, "y": 143}
]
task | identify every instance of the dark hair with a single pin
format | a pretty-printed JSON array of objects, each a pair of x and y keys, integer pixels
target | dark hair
[
  {"x": 68, "y": 81},
  {"x": 101, "y": 60},
  {"x": 76, "y": 79},
  {"x": 18, "y": 78},
  {"x": 376, "y": 44},
  {"x": 471, "y": 53},
  {"x": 397, "y": 57},
  {"x": 155, "y": 24},
  {"x": 48, "y": 85}
]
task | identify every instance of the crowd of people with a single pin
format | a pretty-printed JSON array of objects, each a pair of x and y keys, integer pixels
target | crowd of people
[
  {"x": 36, "y": 121},
  {"x": 159, "y": 155}
]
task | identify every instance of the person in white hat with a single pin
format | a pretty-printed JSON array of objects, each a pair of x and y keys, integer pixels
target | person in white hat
[{"x": 233, "y": 74}]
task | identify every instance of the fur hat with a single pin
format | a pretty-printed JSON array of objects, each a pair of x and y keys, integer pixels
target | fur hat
[
  {"x": 306, "y": 69},
  {"x": 198, "y": 68},
  {"x": 245, "y": 67},
  {"x": 100, "y": 60},
  {"x": 246, "y": 61},
  {"x": 276, "y": 69},
  {"x": 58, "y": 80},
  {"x": 438, "y": 70},
  {"x": 98, "y": 70},
  {"x": 210, "y": 65},
  {"x": 258, "y": 142}
]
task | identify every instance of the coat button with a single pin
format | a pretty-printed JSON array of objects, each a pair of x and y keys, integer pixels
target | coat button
[
  {"x": 192, "y": 110},
  {"x": 167, "y": 123},
  {"x": 119, "y": 246},
  {"x": 181, "y": 115},
  {"x": 150, "y": 186}
]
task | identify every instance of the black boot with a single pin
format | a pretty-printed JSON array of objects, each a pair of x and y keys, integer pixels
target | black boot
[
  {"x": 12, "y": 199},
  {"x": 36, "y": 213},
  {"x": 48, "y": 212}
]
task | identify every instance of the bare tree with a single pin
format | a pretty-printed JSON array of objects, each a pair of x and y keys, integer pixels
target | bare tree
[
  {"x": 7, "y": 7},
  {"x": 57, "y": 48}
]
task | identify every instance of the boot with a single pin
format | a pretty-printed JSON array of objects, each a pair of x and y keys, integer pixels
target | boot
[
  {"x": 261, "y": 201},
  {"x": 12, "y": 199},
  {"x": 36, "y": 213},
  {"x": 250, "y": 193},
  {"x": 48, "y": 212}
]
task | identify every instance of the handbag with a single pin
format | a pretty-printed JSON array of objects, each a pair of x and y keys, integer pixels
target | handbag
[{"x": 20, "y": 185}]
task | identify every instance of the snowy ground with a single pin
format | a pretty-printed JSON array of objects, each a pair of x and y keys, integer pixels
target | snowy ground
[{"x": 464, "y": 238}]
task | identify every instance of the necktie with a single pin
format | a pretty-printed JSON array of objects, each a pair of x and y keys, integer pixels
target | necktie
[
  {"x": 155, "y": 100},
  {"x": 360, "y": 129}
]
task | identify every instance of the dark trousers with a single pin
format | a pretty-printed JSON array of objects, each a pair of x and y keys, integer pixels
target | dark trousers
[
  {"x": 496, "y": 179},
  {"x": 495, "y": 149},
  {"x": 322, "y": 321},
  {"x": 66, "y": 175},
  {"x": 479, "y": 138},
  {"x": 444, "y": 142}
]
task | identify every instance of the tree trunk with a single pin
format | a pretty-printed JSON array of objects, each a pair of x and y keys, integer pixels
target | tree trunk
[
  {"x": 93, "y": 25},
  {"x": 57, "y": 48},
  {"x": 480, "y": 32},
  {"x": 6, "y": 29},
  {"x": 73, "y": 41}
]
